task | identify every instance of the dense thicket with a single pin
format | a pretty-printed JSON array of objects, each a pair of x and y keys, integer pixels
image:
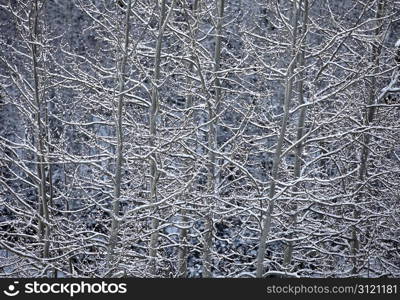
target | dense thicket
[{"x": 199, "y": 138}]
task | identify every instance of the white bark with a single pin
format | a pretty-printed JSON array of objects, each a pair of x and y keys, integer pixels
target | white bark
[
  {"x": 266, "y": 221},
  {"x": 213, "y": 111},
  {"x": 183, "y": 237},
  {"x": 300, "y": 132},
  {"x": 44, "y": 225},
  {"x": 154, "y": 111},
  {"x": 120, "y": 140},
  {"x": 368, "y": 119}
]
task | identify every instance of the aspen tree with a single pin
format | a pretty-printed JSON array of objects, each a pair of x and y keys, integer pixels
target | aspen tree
[
  {"x": 267, "y": 220},
  {"x": 153, "y": 116},
  {"x": 120, "y": 138}
]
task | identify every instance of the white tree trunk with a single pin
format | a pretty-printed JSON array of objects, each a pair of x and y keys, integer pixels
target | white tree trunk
[
  {"x": 154, "y": 110},
  {"x": 44, "y": 226},
  {"x": 183, "y": 237},
  {"x": 368, "y": 119},
  {"x": 300, "y": 133},
  {"x": 266, "y": 221},
  {"x": 120, "y": 140},
  {"x": 213, "y": 111}
]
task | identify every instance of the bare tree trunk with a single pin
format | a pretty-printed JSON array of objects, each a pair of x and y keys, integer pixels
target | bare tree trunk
[
  {"x": 213, "y": 111},
  {"x": 44, "y": 227},
  {"x": 154, "y": 109},
  {"x": 266, "y": 221},
  {"x": 120, "y": 141},
  {"x": 300, "y": 133},
  {"x": 183, "y": 249},
  {"x": 369, "y": 116}
]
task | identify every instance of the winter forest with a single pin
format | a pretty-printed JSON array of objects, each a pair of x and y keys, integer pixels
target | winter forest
[{"x": 199, "y": 138}]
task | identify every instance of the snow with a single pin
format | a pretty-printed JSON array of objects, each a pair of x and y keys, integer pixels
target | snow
[{"x": 314, "y": 208}]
